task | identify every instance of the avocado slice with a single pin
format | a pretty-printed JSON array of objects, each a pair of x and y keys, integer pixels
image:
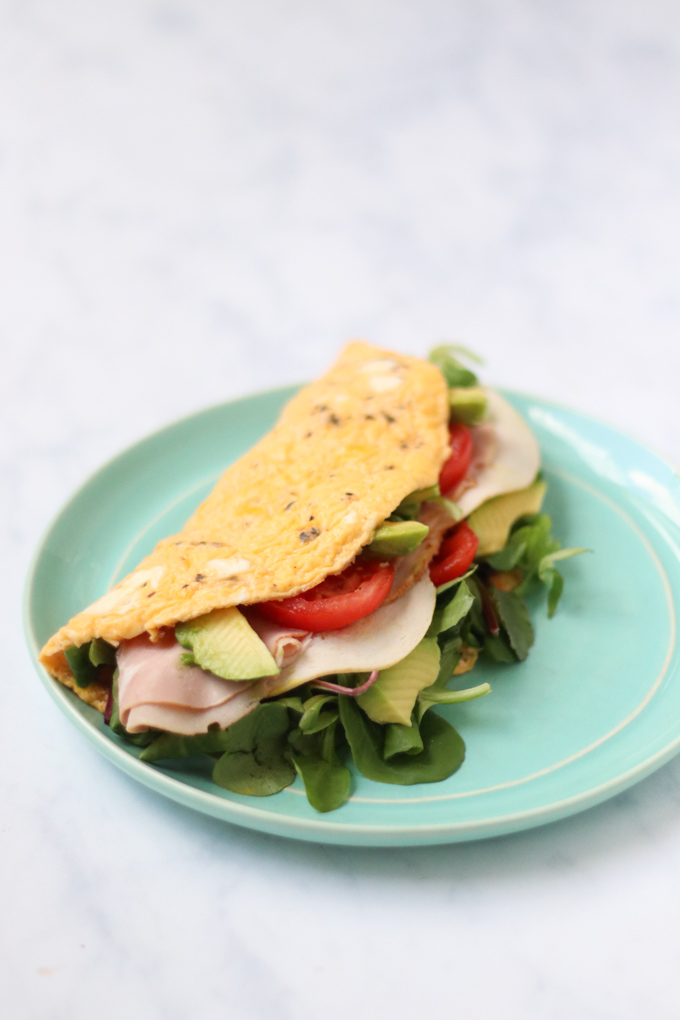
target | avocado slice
[
  {"x": 396, "y": 538},
  {"x": 393, "y": 695},
  {"x": 224, "y": 643},
  {"x": 491, "y": 522},
  {"x": 467, "y": 405},
  {"x": 420, "y": 495}
]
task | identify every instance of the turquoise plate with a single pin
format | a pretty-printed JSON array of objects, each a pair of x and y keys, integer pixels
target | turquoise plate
[{"x": 595, "y": 708}]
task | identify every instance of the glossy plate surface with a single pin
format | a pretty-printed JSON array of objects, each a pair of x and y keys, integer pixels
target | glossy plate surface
[{"x": 594, "y": 709}]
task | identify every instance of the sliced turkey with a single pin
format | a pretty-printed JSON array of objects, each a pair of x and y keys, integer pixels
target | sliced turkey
[
  {"x": 283, "y": 643},
  {"x": 154, "y": 685},
  {"x": 379, "y": 640},
  {"x": 506, "y": 456}
]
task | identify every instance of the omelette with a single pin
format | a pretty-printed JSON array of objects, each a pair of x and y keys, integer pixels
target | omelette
[{"x": 303, "y": 522}]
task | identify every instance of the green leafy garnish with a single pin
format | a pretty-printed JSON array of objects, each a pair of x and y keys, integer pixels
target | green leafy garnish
[
  {"x": 81, "y": 666},
  {"x": 533, "y": 549},
  {"x": 326, "y": 780},
  {"x": 174, "y": 745},
  {"x": 443, "y": 696},
  {"x": 313, "y": 719},
  {"x": 455, "y": 373},
  {"x": 400, "y": 739},
  {"x": 443, "y": 749},
  {"x": 448, "y": 614},
  {"x": 515, "y": 620},
  {"x": 255, "y": 759},
  {"x": 102, "y": 653}
]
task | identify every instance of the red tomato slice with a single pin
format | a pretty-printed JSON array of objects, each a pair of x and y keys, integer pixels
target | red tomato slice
[
  {"x": 455, "y": 555},
  {"x": 337, "y": 601},
  {"x": 456, "y": 467}
]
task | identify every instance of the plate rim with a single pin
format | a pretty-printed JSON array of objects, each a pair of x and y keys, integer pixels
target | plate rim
[{"x": 318, "y": 829}]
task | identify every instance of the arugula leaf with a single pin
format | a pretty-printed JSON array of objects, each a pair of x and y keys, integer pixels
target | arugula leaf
[
  {"x": 555, "y": 583},
  {"x": 456, "y": 580},
  {"x": 448, "y": 660},
  {"x": 174, "y": 745},
  {"x": 82, "y": 668},
  {"x": 533, "y": 549},
  {"x": 498, "y": 648},
  {"x": 255, "y": 760},
  {"x": 294, "y": 704},
  {"x": 430, "y": 697},
  {"x": 443, "y": 749},
  {"x": 313, "y": 719},
  {"x": 459, "y": 606},
  {"x": 102, "y": 653},
  {"x": 455, "y": 373},
  {"x": 326, "y": 781},
  {"x": 514, "y": 617},
  {"x": 400, "y": 739}
]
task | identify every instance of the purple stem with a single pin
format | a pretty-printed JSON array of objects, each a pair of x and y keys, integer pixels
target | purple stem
[
  {"x": 489, "y": 610},
  {"x": 352, "y": 692},
  {"x": 108, "y": 711}
]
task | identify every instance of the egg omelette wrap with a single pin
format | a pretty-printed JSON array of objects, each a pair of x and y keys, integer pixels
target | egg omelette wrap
[{"x": 298, "y": 507}]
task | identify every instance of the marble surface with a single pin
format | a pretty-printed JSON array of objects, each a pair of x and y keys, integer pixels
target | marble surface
[{"x": 199, "y": 199}]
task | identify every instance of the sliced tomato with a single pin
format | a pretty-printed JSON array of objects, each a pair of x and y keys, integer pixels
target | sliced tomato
[
  {"x": 456, "y": 467},
  {"x": 455, "y": 555},
  {"x": 337, "y": 601}
]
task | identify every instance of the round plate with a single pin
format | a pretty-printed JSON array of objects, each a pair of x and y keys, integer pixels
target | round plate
[{"x": 595, "y": 708}]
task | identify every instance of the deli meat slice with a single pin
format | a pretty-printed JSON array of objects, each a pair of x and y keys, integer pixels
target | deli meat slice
[
  {"x": 283, "y": 643},
  {"x": 188, "y": 721},
  {"x": 153, "y": 675},
  {"x": 410, "y": 569}
]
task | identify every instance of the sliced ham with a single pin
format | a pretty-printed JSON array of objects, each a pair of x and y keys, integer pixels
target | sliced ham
[
  {"x": 188, "y": 721},
  {"x": 152, "y": 676},
  {"x": 283, "y": 643}
]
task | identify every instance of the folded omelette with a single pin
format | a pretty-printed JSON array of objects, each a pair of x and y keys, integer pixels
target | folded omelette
[{"x": 295, "y": 509}]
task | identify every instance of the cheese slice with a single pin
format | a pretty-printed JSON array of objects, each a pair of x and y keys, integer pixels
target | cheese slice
[
  {"x": 516, "y": 458},
  {"x": 376, "y": 642}
]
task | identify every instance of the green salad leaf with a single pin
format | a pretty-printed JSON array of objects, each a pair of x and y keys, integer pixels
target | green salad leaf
[
  {"x": 78, "y": 658},
  {"x": 515, "y": 620},
  {"x": 400, "y": 739},
  {"x": 255, "y": 759},
  {"x": 326, "y": 780},
  {"x": 455, "y": 373},
  {"x": 313, "y": 719},
  {"x": 102, "y": 653},
  {"x": 533, "y": 549},
  {"x": 443, "y": 696},
  {"x": 443, "y": 749}
]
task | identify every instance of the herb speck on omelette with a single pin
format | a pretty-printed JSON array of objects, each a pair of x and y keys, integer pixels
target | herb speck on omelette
[{"x": 316, "y": 605}]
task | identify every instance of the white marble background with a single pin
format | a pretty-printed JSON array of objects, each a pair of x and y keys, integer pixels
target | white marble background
[{"x": 198, "y": 199}]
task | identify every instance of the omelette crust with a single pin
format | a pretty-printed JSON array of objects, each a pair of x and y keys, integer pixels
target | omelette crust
[{"x": 297, "y": 507}]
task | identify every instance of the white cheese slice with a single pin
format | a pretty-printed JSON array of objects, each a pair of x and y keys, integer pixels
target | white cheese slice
[
  {"x": 376, "y": 642},
  {"x": 516, "y": 461}
]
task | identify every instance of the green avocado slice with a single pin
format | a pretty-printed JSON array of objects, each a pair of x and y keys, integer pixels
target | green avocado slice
[
  {"x": 397, "y": 538},
  {"x": 393, "y": 695},
  {"x": 224, "y": 643},
  {"x": 467, "y": 404}
]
